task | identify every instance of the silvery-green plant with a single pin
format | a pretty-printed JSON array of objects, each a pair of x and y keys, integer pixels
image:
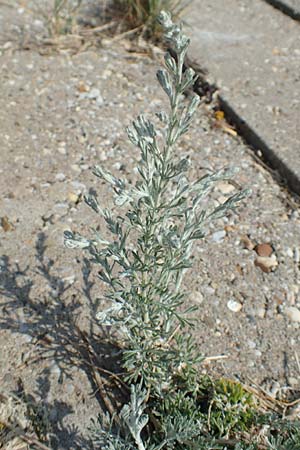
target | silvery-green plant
[{"x": 151, "y": 249}]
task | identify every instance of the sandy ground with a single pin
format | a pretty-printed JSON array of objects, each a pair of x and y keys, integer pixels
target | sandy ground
[{"x": 61, "y": 113}]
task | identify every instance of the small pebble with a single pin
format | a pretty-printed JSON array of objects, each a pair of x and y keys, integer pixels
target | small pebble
[
  {"x": 209, "y": 290},
  {"x": 26, "y": 338},
  {"x": 6, "y": 224},
  {"x": 62, "y": 150},
  {"x": 293, "y": 313},
  {"x": 261, "y": 313},
  {"x": 226, "y": 188},
  {"x": 60, "y": 176},
  {"x": 76, "y": 167},
  {"x": 247, "y": 243},
  {"x": 218, "y": 236},
  {"x": 234, "y": 306},
  {"x": 293, "y": 381},
  {"x": 73, "y": 198},
  {"x": 198, "y": 298},
  {"x": 266, "y": 263},
  {"x": 69, "y": 388},
  {"x": 55, "y": 369},
  {"x": 251, "y": 344},
  {"x": 264, "y": 250}
]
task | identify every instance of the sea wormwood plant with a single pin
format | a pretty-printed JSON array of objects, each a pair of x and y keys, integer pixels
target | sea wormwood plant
[{"x": 144, "y": 264}]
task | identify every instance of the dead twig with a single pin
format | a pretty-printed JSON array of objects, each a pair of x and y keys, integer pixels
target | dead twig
[
  {"x": 214, "y": 358},
  {"x": 21, "y": 434}
]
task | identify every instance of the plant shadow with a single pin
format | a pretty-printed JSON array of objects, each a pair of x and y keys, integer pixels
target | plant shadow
[{"x": 55, "y": 337}]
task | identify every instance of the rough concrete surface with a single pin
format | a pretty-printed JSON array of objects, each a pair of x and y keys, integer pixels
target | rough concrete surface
[
  {"x": 253, "y": 52},
  {"x": 289, "y": 7},
  {"x": 63, "y": 111}
]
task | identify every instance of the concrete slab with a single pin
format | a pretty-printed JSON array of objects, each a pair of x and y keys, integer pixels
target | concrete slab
[
  {"x": 253, "y": 52},
  {"x": 289, "y": 7}
]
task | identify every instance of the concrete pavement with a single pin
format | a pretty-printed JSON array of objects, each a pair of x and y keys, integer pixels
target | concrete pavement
[
  {"x": 289, "y": 7},
  {"x": 252, "y": 51}
]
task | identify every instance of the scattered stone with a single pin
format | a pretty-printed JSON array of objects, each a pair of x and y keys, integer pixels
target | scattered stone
[
  {"x": 26, "y": 338},
  {"x": 102, "y": 156},
  {"x": 293, "y": 313},
  {"x": 247, "y": 243},
  {"x": 93, "y": 94},
  {"x": 264, "y": 250},
  {"x": 82, "y": 87},
  {"x": 198, "y": 298},
  {"x": 69, "y": 388},
  {"x": 226, "y": 188},
  {"x": 74, "y": 198},
  {"x": 76, "y": 168},
  {"x": 291, "y": 297},
  {"x": 229, "y": 228},
  {"x": 293, "y": 381},
  {"x": 234, "y": 306},
  {"x": 251, "y": 344},
  {"x": 266, "y": 264},
  {"x": 261, "y": 313},
  {"x": 209, "y": 290},
  {"x": 218, "y": 236},
  {"x": 55, "y": 369},
  {"x": 60, "y": 176},
  {"x": 62, "y": 149},
  {"x": 6, "y": 225}
]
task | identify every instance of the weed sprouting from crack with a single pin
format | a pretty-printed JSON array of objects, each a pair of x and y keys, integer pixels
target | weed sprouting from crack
[{"x": 143, "y": 265}]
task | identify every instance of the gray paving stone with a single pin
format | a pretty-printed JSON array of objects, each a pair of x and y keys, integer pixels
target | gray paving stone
[
  {"x": 253, "y": 52},
  {"x": 289, "y": 7}
]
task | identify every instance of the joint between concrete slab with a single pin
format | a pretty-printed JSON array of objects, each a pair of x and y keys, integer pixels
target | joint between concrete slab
[
  {"x": 286, "y": 9},
  {"x": 256, "y": 142}
]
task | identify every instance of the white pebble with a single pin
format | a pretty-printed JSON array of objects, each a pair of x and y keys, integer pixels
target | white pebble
[
  {"x": 261, "y": 312},
  {"x": 251, "y": 344},
  {"x": 60, "y": 176},
  {"x": 218, "y": 236},
  {"x": 293, "y": 313},
  {"x": 234, "y": 306},
  {"x": 198, "y": 298}
]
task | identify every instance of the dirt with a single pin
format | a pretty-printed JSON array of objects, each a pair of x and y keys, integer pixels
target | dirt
[{"x": 62, "y": 112}]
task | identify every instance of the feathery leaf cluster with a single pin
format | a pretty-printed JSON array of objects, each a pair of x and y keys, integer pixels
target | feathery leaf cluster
[{"x": 143, "y": 266}]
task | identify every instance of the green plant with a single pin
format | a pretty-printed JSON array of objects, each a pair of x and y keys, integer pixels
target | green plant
[
  {"x": 144, "y": 13},
  {"x": 231, "y": 408},
  {"x": 143, "y": 267}
]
